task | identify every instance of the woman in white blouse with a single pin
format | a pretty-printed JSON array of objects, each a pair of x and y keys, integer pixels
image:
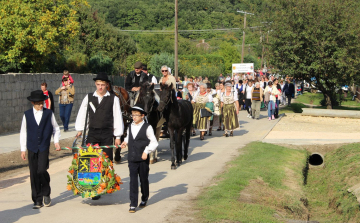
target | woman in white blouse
[
  {"x": 199, "y": 101},
  {"x": 230, "y": 105}
]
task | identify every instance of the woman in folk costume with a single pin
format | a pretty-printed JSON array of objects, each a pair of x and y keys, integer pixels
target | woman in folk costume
[
  {"x": 199, "y": 102},
  {"x": 230, "y": 105},
  {"x": 210, "y": 107}
]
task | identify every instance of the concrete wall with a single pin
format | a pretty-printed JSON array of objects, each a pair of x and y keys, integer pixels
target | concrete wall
[{"x": 15, "y": 88}]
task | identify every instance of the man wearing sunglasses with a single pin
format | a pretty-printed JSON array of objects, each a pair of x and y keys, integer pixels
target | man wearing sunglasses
[{"x": 134, "y": 80}]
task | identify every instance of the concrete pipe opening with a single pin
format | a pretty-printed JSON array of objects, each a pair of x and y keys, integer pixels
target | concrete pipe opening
[{"x": 316, "y": 159}]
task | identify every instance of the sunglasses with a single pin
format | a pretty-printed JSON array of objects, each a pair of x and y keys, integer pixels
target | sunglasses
[{"x": 163, "y": 70}]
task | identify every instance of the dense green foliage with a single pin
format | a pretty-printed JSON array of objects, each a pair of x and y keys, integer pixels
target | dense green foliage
[
  {"x": 319, "y": 39},
  {"x": 30, "y": 31}
]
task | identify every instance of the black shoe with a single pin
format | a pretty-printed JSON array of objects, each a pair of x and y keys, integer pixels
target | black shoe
[
  {"x": 231, "y": 134},
  {"x": 201, "y": 137},
  {"x": 96, "y": 198},
  {"x": 194, "y": 133},
  {"x": 142, "y": 204},
  {"x": 66, "y": 130},
  {"x": 205, "y": 133},
  {"x": 219, "y": 129},
  {"x": 227, "y": 135},
  {"x": 37, "y": 205},
  {"x": 47, "y": 201},
  {"x": 132, "y": 210}
]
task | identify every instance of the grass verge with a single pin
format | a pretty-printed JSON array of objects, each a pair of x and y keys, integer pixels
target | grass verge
[
  {"x": 293, "y": 108},
  {"x": 315, "y": 98},
  {"x": 264, "y": 184},
  {"x": 326, "y": 189}
]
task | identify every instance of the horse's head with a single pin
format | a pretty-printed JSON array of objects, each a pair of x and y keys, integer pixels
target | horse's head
[
  {"x": 147, "y": 96},
  {"x": 165, "y": 96}
]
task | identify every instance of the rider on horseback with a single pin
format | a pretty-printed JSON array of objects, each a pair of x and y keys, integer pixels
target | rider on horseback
[{"x": 134, "y": 80}]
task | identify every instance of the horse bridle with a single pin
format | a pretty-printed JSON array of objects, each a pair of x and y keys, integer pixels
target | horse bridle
[{"x": 168, "y": 100}]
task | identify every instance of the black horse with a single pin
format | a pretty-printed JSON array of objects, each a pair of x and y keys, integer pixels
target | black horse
[
  {"x": 147, "y": 98},
  {"x": 179, "y": 116}
]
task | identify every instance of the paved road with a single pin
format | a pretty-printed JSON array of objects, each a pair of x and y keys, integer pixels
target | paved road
[{"x": 168, "y": 188}]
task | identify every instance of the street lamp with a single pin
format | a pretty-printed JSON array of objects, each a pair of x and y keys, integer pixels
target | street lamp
[{"x": 243, "y": 42}]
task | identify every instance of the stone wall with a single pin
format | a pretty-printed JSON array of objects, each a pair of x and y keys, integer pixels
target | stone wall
[{"x": 15, "y": 88}]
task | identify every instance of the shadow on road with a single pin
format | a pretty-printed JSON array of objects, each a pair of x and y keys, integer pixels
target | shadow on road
[
  {"x": 13, "y": 215},
  {"x": 168, "y": 192},
  {"x": 10, "y": 182}
]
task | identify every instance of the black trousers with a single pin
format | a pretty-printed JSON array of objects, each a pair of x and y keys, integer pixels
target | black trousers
[
  {"x": 103, "y": 137},
  {"x": 39, "y": 177},
  {"x": 289, "y": 98},
  {"x": 140, "y": 169}
]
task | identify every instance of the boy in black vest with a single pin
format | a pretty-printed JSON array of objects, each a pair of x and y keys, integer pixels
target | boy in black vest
[
  {"x": 141, "y": 142},
  {"x": 37, "y": 127}
]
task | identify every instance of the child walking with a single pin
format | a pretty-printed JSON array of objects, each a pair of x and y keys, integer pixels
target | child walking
[{"x": 141, "y": 142}]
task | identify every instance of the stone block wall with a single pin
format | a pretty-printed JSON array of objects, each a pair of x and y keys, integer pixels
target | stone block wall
[{"x": 15, "y": 88}]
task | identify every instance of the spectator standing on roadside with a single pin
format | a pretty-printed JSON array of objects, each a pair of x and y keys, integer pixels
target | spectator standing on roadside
[
  {"x": 49, "y": 103},
  {"x": 66, "y": 100}
]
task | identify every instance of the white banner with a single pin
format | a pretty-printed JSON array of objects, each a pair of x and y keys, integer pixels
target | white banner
[{"x": 242, "y": 68}]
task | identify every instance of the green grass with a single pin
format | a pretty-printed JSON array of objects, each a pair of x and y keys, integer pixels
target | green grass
[
  {"x": 293, "y": 108},
  {"x": 329, "y": 200},
  {"x": 265, "y": 163},
  {"x": 315, "y": 98}
]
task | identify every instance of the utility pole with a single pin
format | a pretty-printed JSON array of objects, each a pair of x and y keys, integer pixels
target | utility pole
[
  {"x": 176, "y": 39},
  {"x": 243, "y": 42}
]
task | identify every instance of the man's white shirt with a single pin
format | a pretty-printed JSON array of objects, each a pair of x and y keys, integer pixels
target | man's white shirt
[{"x": 118, "y": 120}]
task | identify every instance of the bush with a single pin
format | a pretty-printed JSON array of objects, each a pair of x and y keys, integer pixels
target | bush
[
  {"x": 100, "y": 63},
  {"x": 77, "y": 63},
  {"x": 159, "y": 60}
]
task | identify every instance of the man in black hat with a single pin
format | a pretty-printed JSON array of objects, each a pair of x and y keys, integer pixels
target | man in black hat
[
  {"x": 141, "y": 141},
  {"x": 37, "y": 127},
  {"x": 134, "y": 80},
  {"x": 105, "y": 118},
  {"x": 151, "y": 77}
]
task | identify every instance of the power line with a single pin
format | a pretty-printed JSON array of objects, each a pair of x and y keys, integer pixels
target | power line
[{"x": 172, "y": 31}]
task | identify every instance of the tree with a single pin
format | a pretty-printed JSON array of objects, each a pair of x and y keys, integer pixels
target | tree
[
  {"x": 317, "y": 39},
  {"x": 230, "y": 54},
  {"x": 159, "y": 60},
  {"x": 32, "y": 30}
]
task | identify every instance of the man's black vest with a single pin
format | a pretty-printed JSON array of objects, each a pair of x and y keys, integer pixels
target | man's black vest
[
  {"x": 137, "y": 146},
  {"x": 137, "y": 81},
  {"x": 103, "y": 117},
  {"x": 38, "y": 136},
  {"x": 150, "y": 77}
]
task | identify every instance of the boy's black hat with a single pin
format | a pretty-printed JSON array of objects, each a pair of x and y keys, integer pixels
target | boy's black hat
[
  {"x": 144, "y": 67},
  {"x": 37, "y": 95},
  {"x": 101, "y": 77},
  {"x": 138, "y": 107}
]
